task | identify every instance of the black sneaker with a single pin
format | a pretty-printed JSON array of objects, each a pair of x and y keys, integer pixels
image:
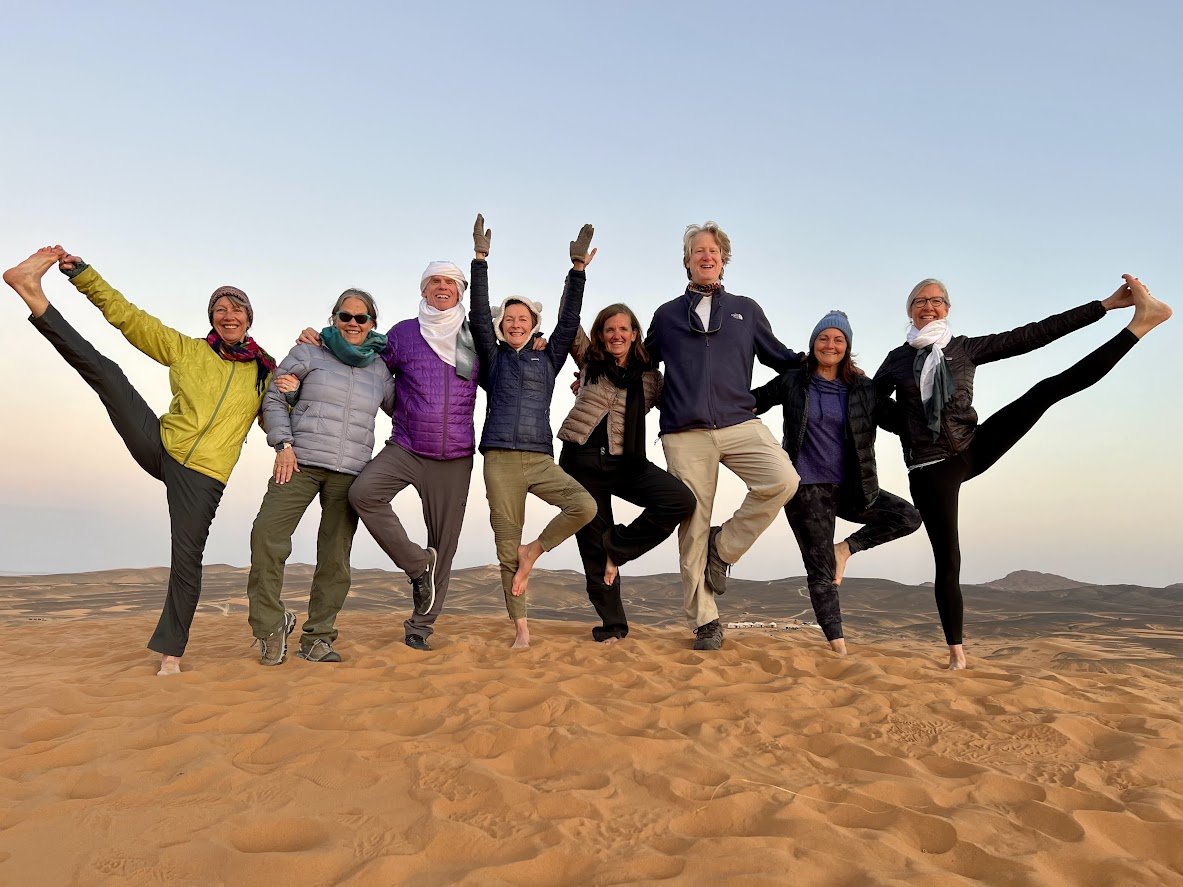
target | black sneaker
[
  {"x": 709, "y": 636},
  {"x": 417, "y": 642},
  {"x": 273, "y": 649},
  {"x": 319, "y": 650},
  {"x": 716, "y": 572},
  {"x": 423, "y": 587}
]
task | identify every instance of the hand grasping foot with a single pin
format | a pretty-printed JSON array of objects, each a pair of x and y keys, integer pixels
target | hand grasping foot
[{"x": 25, "y": 278}]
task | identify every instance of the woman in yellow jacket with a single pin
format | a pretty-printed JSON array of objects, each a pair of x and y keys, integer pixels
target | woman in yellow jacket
[{"x": 217, "y": 384}]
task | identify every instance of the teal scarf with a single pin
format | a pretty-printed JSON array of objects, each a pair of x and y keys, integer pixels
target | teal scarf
[{"x": 353, "y": 355}]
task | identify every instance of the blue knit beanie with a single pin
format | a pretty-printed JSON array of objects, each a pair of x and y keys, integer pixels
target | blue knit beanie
[{"x": 834, "y": 320}]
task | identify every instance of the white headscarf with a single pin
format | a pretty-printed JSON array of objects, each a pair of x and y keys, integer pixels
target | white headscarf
[{"x": 439, "y": 328}]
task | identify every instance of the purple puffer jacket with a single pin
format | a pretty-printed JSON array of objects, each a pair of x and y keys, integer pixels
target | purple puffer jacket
[{"x": 433, "y": 406}]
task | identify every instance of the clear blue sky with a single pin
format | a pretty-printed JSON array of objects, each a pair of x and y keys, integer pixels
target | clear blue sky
[{"x": 1026, "y": 153}]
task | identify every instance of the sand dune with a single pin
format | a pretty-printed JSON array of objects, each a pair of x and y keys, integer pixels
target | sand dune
[{"x": 1056, "y": 759}]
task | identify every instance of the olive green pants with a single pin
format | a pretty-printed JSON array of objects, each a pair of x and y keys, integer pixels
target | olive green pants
[
  {"x": 509, "y": 476},
  {"x": 271, "y": 545}
]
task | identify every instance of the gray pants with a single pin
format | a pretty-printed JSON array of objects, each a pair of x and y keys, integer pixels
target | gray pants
[
  {"x": 192, "y": 497},
  {"x": 442, "y": 484}
]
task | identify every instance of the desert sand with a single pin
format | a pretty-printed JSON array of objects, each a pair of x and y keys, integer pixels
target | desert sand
[{"x": 1057, "y": 758}]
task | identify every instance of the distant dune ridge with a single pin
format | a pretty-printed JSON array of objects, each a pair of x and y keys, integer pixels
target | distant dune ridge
[{"x": 1057, "y": 758}]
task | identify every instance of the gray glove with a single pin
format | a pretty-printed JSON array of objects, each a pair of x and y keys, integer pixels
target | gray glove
[
  {"x": 481, "y": 235},
  {"x": 581, "y": 244}
]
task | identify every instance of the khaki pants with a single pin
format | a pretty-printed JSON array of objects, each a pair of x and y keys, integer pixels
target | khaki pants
[
  {"x": 509, "y": 476},
  {"x": 750, "y": 451}
]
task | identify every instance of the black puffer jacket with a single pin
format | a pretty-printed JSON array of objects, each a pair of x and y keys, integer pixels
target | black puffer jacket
[
  {"x": 519, "y": 384},
  {"x": 899, "y": 376},
  {"x": 863, "y": 412}
]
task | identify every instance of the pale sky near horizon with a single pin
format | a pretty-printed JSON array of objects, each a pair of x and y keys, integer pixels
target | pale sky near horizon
[{"x": 1026, "y": 153}]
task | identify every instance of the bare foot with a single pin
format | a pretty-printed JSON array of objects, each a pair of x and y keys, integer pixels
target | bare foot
[
  {"x": 25, "y": 278},
  {"x": 522, "y": 641},
  {"x": 611, "y": 571},
  {"x": 169, "y": 665},
  {"x": 841, "y": 556},
  {"x": 838, "y": 645},
  {"x": 956, "y": 657},
  {"x": 527, "y": 555},
  {"x": 1149, "y": 312},
  {"x": 608, "y": 642}
]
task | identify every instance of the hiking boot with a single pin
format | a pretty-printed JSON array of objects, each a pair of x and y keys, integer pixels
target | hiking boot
[
  {"x": 423, "y": 587},
  {"x": 417, "y": 642},
  {"x": 319, "y": 651},
  {"x": 716, "y": 571},
  {"x": 273, "y": 649},
  {"x": 709, "y": 636}
]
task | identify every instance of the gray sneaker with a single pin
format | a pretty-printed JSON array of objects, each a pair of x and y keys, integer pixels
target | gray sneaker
[
  {"x": 273, "y": 649},
  {"x": 716, "y": 571},
  {"x": 709, "y": 636},
  {"x": 423, "y": 587},
  {"x": 319, "y": 651}
]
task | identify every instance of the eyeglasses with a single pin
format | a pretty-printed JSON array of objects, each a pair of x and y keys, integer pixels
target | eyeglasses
[
  {"x": 345, "y": 317},
  {"x": 935, "y": 302}
]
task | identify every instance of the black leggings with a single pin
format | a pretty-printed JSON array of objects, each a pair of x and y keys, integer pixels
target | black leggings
[
  {"x": 666, "y": 500},
  {"x": 192, "y": 497},
  {"x": 811, "y": 513},
  {"x": 935, "y": 488}
]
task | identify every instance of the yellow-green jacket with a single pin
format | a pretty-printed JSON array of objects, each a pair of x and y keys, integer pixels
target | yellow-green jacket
[{"x": 214, "y": 400}]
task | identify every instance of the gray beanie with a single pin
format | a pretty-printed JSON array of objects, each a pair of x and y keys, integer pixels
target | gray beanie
[
  {"x": 834, "y": 320},
  {"x": 234, "y": 294}
]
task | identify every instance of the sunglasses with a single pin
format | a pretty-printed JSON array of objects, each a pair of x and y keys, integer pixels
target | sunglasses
[{"x": 345, "y": 317}]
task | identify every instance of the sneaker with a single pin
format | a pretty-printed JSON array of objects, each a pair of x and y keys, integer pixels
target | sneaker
[
  {"x": 319, "y": 651},
  {"x": 423, "y": 587},
  {"x": 417, "y": 642},
  {"x": 273, "y": 649},
  {"x": 716, "y": 572},
  {"x": 709, "y": 636}
]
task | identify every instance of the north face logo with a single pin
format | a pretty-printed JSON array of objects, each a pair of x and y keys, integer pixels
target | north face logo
[{"x": 737, "y": 316}]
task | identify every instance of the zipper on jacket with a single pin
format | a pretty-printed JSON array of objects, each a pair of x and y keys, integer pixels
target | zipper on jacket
[
  {"x": 447, "y": 391},
  {"x": 345, "y": 419},
  {"x": 521, "y": 385},
  {"x": 229, "y": 379}
]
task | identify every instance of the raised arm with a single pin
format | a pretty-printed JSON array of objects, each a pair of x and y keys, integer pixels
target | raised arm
[
  {"x": 571, "y": 303},
  {"x": 480, "y": 315},
  {"x": 160, "y": 342},
  {"x": 1026, "y": 338}
]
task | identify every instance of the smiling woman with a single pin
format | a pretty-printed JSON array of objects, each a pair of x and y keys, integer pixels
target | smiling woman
[
  {"x": 319, "y": 414},
  {"x": 516, "y": 439},
  {"x": 217, "y": 385}
]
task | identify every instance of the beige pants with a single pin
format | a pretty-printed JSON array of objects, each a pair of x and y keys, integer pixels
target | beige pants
[
  {"x": 509, "y": 476},
  {"x": 750, "y": 451}
]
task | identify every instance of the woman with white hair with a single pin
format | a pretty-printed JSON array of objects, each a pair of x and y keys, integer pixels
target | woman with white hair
[
  {"x": 932, "y": 377},
  {"x": 517, "y": 441}
]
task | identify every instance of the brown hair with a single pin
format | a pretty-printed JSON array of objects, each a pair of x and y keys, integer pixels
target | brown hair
[
  {"x": 848, "y": 370},
  {"x": 597, "y": 354}
]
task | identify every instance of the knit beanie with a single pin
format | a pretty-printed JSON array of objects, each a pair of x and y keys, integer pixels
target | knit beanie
[
  {"x": 234, "y": 294},
  {"x": 834, "y": 320}
]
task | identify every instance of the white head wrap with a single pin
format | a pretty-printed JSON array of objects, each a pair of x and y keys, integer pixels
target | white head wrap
[
  {"x": 439, "y": 328},
  {"x": 444, "y": 269}
]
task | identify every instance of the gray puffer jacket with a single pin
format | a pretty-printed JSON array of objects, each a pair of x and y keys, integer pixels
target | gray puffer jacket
[{"x": 332, "y": 424}]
